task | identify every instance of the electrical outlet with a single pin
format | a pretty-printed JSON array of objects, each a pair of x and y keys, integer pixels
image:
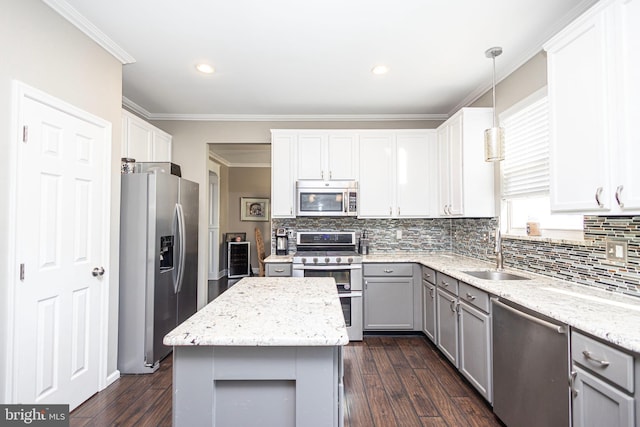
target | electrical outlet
[
  {"x": 616, "y": 251},
  {"x": 289, "y": 233},
  {"x": 398, "y": 234}
]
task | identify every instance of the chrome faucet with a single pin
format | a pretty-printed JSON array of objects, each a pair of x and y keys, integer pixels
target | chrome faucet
[{"x": 498, "y": 250}]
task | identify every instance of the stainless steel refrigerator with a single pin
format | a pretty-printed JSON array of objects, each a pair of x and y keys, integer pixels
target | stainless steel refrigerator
[{"x": 158, "y": 265}]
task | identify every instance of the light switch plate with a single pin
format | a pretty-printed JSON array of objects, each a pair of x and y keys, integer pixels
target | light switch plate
[{"x": 616, "y": 251}]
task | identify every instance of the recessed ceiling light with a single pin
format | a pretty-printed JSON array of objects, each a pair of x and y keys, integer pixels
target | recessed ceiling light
[
  {"x": 205, "y": 68},
  {"x": 380, "y": 69}
]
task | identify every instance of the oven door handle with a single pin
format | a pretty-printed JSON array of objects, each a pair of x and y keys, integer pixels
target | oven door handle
[{"x": 328, "y": 267}]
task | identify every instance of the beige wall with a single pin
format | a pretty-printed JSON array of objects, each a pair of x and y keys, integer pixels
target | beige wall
[
  {"x": 524, "y": 81},
  {"x": 248, "y": 182},
  {"x": 42, "y": 50}
]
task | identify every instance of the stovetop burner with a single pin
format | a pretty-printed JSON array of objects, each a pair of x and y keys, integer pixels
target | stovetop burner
[{"x": 326, "y": 248}]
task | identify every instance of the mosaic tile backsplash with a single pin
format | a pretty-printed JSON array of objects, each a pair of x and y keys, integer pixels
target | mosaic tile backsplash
[{"x": 583, "y": 263}]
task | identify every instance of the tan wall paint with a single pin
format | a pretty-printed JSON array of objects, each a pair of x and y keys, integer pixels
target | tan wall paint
[
  {"x": 249, "y": 182},
  {"x": 524, "y": 81},
  {"x": 43, "y": 50}
]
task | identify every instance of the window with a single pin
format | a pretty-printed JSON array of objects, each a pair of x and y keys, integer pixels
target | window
[{"x": 525, "y": 172}]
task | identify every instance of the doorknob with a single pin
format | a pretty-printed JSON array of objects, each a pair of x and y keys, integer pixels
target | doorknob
[{"x": 98, "y": 271}]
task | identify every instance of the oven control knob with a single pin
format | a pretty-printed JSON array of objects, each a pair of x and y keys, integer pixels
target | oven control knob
[
  {"x": 338, "y": 260},
  {"x": 350, "y": 260},
  {"x": 304, "y": 260},
  {"x": 315, "y": 260},
  {"x": 327, "y": 260},
  {"x": 347, "y": 286}
]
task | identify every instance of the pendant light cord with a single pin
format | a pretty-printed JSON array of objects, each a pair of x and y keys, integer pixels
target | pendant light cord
[{"x": 494, "y": 92}]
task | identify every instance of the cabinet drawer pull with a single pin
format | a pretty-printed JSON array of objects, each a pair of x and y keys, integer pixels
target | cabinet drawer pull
[
  {"x": 588, "y": 356},
  {"x": 598, "y": 194},
  {"x": 386, "y": 270},
  {"x": 445, "y": 284},
  {"x": 471, "y": 297},
  {"x": 618, "y": 192},
  {"x": 279, "y": 270}
]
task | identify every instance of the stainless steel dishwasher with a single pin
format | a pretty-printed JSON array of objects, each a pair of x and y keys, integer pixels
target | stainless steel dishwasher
[{"x": 530, "y": 368}]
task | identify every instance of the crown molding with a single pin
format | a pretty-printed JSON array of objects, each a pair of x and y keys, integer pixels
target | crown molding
[
  {"x": 525, "y": 56},
  {"x": 297, "y": 117},
  {"x": 132, "y": 106},
  {"x": 68, "y": 12}
]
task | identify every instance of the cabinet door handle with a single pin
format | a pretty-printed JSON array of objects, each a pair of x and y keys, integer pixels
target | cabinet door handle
[
  {"x": 390, "y": 211},
  {"x": 588, "y": 356},
  {"x": 470, "y": 297},
  {"x": 452, "y": 306},
  {"x": 572, "y": 383},
  {"x": 431, "y": 292},
  {"x": 618, "y": 192},
  {"x": 321, "y": 174},
  {"x": 398, "y": 210},
  {"x": 330, "y": 175},
  {"x": 598, "y": 194}
]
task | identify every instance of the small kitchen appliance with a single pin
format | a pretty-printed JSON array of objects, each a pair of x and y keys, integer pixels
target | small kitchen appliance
[
  {"x": 333, "y": 254},
  {"x": 282, "y": 241}
]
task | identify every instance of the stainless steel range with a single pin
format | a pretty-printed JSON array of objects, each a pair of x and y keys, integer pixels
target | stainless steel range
[{"x": 333, "y": 254}]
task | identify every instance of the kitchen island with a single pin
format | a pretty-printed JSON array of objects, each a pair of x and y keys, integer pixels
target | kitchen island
[{"x": 266, "y": 352}]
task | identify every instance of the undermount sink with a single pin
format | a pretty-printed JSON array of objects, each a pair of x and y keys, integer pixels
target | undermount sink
[{"x": 495, "y": 275}]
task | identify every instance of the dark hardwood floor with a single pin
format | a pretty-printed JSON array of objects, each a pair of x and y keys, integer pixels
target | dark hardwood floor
[{"x": 389, "y": 381}]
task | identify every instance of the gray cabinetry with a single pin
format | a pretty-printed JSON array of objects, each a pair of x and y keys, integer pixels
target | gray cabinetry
[
  {"x": 278, "y": 269},
  {"x": 475, "y": 338},
  {"x": 447, "y": 316},
  {"x": 429, "y": 303},
  {"x": 388, "y": 297},
  {"x": 603, "y": 384}
]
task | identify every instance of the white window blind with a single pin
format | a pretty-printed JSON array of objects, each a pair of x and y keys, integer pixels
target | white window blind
[{"x": 525, "y": 169}]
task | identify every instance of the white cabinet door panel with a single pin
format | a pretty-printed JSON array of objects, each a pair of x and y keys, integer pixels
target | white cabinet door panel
[
  {"x": 579, "y": 155},
  {"x": 376, "y": 176}
]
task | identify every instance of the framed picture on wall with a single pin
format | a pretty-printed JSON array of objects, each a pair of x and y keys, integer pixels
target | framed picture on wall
[{"x": 254, "y": 209}]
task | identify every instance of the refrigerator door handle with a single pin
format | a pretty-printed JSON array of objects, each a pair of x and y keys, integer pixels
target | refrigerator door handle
[{"x": 181, "y": 246}]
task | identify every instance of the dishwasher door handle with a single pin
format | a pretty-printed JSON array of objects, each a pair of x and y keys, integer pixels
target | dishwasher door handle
[{"x": 557, "y": 328}]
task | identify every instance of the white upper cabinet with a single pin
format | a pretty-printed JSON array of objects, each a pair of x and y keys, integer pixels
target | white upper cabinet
[
  {"x": 593, "y": 66},
  {"x": 144, "y": 142},
  {"x": 327, "y": 155},
  {"x": 397, "y": 170},
  {"x": 466, "y": 180},
  {"x": 283, "y": 172}
]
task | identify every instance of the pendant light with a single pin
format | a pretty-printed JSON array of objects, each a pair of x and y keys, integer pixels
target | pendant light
[{"x": 494, "y": 137}]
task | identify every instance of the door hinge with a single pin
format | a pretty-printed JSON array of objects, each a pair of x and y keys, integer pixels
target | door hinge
[
  {"x": 25, "y": 133},
  {"x": 22, "y": 272}
]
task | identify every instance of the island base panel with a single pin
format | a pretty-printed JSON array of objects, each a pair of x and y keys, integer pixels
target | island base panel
[{"x": 283, "y": 386}]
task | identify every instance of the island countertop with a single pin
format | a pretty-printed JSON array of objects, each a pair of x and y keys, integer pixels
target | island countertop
[{"x": 268, "y": 311}]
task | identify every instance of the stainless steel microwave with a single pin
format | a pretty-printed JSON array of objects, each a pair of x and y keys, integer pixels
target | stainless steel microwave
[{"x": 326, "y": 198}]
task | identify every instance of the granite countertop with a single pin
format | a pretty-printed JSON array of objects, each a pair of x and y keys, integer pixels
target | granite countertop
[
  {"x": 610, "y": 316},
  {"x": 268, "y": 311}
]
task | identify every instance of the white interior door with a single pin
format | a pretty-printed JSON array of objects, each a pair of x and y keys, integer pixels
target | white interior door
[{"x": 61, "y": 240}]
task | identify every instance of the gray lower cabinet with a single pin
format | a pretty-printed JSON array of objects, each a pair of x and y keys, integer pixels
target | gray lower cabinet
[
  {"x": 447, "y": 316},
  {"x": 279, "y": 269},
  {"x": 604, "y": 380},
  {"x": 429, "y": 303},
  {"x": 475, "y": 341},
  {"x": 388, "y": 297}
]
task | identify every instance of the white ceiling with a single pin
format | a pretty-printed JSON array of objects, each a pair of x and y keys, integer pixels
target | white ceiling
[{"x": 302, "y": 59}]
